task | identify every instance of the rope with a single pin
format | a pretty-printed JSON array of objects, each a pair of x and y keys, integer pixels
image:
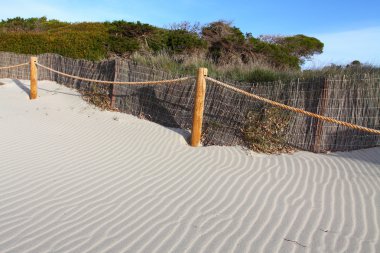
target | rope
[
  {"x": 290, "y": 108},
  {"x": 15, "y": 66},
  {"x": 115, "y": 82}
]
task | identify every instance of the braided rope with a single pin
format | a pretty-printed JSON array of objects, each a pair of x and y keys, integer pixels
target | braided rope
[
  {"x": 290, "y": 108},
  {"x": 115, "y": 82},
  {"x": 15, "y": 66}
]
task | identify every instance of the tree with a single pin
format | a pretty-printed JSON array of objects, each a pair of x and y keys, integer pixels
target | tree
[
  {"x": 194, "y": 28},
  {"x": 301, "y": 46},
  {"x": 225, "y": 42},
  {"x": 356, "y": 63}
]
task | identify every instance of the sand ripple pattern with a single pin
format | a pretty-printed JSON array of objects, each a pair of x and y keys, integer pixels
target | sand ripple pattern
[{"x": 75, "y": 179}]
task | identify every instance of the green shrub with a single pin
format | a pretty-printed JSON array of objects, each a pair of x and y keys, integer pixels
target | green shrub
[
  {"x": 219, "y": 43},
  {"x": 130, "y": 29},
  {"x": 30, "y": 24},
  {"x": 277, "y": 55},
  {"x": 85, "y": 41},
  {"x": 180, "y": 40},
  {"x": 121, "y": 45}
]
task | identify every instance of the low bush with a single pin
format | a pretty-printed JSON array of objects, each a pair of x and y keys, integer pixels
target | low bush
[{"x": 265, "y": 130}]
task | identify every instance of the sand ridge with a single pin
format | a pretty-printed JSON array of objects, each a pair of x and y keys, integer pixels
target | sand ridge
[{"x": 76, "y": 179}]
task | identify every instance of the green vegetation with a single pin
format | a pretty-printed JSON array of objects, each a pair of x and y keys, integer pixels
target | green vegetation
[
  {"x": 31, "y": 24},
  {"x": 37, "y": 36},
  {"x": 354, "y": 69},
  {"x": 180, "y": 49},
  {"x": 218, "y": 44},
  {"x": 92, "y": 41}
]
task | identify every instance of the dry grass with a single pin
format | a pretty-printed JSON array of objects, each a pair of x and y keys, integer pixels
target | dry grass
[
  {"x": 98, "y": 95},
  {"x": 265, "y": 130},
  {"x": 185, "y": 65}
]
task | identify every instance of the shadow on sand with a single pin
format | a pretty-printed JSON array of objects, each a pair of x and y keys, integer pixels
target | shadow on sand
[{"x": 22, "y": 86}]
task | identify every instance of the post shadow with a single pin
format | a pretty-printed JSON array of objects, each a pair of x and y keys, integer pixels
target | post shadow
[
  {"x": 21, "y": 86},
  {"x": 154, "y": 108},
  {"x": 311, "y": 102}
]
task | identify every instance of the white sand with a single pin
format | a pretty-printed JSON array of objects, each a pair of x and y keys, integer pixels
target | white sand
[{"x": 75, "y": 179}]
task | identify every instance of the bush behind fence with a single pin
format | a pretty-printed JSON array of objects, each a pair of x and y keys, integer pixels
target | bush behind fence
[{"x": 354, "y": 99}]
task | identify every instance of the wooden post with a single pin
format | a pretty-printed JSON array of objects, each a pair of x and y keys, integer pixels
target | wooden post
[
  {"x": 113, "y": 97},
  {"x": 200, "y": 92},
  {"x": 113, "y": 86},
  {"x": 322, "y": 109},
  {"x": 33, "y": 78}
]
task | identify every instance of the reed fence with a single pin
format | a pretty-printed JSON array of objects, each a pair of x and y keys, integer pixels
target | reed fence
[{"x": 354, "y": 100}]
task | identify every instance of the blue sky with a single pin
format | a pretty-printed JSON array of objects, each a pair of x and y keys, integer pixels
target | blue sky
[{"x": 350, "y": 29}]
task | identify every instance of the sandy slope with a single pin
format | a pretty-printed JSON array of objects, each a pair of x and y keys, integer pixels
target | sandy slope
[{"x": 75, "y": 179}]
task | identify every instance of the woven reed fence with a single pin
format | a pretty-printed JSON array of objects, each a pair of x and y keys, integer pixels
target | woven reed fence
[{"x": 354, "y": 99}]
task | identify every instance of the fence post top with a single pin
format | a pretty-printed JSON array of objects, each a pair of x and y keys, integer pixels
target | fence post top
[{"x": 204, "y": 71}]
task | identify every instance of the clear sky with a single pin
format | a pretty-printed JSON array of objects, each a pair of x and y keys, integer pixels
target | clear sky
[{"x": 350, "y": 29}]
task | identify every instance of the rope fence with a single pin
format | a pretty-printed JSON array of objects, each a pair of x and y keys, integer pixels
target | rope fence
[
  {"x": 171, "y": 81},
  {"x": 15, "y": 66},
  {"x": 297, "y": 110},
  {"x": 217, "y": 113}
]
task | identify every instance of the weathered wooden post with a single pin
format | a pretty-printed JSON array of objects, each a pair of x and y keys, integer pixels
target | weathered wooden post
[
  {"x": 113, "y": 86},
  {"x": 323, "y": 100},
  {"x": 112, "y": 96},
  {"x": 33, "y": 78},
  {"x": 200, "y": 92}
]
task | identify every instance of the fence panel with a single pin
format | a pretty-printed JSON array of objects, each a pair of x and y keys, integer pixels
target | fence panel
[{"x": 354, "y": 99}]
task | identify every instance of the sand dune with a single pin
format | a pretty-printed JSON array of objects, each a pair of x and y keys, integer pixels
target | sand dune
[{"x": 76, "y": 179}]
